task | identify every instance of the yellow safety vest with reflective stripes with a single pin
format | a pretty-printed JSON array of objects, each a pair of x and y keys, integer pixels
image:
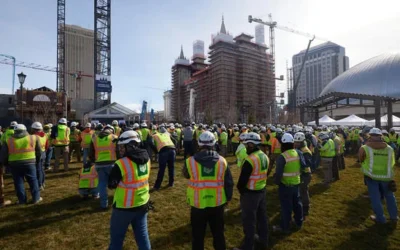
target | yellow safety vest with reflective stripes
[
  {"x": 74, "y": 136},
  {"x": 306, "y": 150},
  {"x": 88, "y": 178},
  {"x": 86, "y": 138},
  {"x": 42, "y": 141},
  {"x": 224, "y": 138},
  {"x": 104, "y": 148},
  {"x": 291, "y": 172},
  {"x": 328, "y": 150},
  {"x": 235, "y": 138},
  {"x": 62, "y": 138},
  {"x": 206, "y": 185},
  {"x": 378, "y": 163},
  {"x": 20, "y": 149},
  {"x": 258, "y": 178},
  {"x": 133, "y": 189},
  {"x": 145, "y": 132},
  {"x": 162, "y": 140}
]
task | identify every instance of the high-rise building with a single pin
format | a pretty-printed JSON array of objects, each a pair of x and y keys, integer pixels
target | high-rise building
[
  {"x": 324, "y": 62},
  {"x": 260, "y": 35},
  {"x": 167, "y": 105},
  {"x": 236, "y": 85},
  {"x": 79, "y": 56}
]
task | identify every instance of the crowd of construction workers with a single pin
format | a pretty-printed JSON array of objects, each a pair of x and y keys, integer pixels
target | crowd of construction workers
[{"x": 119, "y": 157}]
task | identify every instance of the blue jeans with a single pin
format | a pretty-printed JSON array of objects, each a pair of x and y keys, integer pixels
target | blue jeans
[
  {"x": 40, "y": 169},
  {"x": 165, "y": 157},
  {"x": 289, "y": 197},
  {"x": 49, "y": 154},
  {"x": 27, "y": 172},
  {"x": 374, "y": 190},
  {"x": 85, "y": 155},
  {"x": 120, "y": 220},
  {"x": 103, "y": 172},
  {"x": 89, "y": 191}
]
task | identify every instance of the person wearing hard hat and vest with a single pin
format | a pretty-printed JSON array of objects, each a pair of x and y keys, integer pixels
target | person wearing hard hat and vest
[
  {"x": 88, "y": 181},
  {"x": 49, "y": 151},
  {"x": 241, "y": 152},
  {"x": 305, "y": 177},
  {"x": 188, "y": 145},
  {"x": 210, "y": 188},
  {"x": 327, "y": 151},
  {"x": 178, "y": 131},
  {"x": 235, "y": 139},
  {"x": 8, "y": 133},
  {"x": 86, "y": 136},
  {"x": 103, "y": 153},
  {"x": 130, "y": 179},
  {"x": 377, "y": 164},
  {"x": 20, "y": 153},
  {"x": 166, "y": 156},
  {"x": 289, "y": 166},
  {"x": 37, "y": 129},
  {"x": 252, "y": 188},
  {"x": 264, "y": 141},
  {"x": 75, "y": 142},
  {"x": 145, "y": 138},
  {"x": 223, "y": 141},
  {"x": 60, "y": 141},
  {"x": 117, "y": 129},
  {"x": 275, "y": 148}
]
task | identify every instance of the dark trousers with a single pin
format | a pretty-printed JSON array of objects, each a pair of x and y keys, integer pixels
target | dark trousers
[
  {"x": 289, "y": 197},
  {"x": 254, "y": 217},
  {"x": 188, "y": 149},
  {"x": 40, "y": 169},
  {"x": 213, "y": 216},
  {"x": 234, "y": 147},
  {"x": 341, "y": 162},
  {"x": 304, "y": 194},
  {"x": 335, "y": 168},
  {"x": 165, "y": 157}
]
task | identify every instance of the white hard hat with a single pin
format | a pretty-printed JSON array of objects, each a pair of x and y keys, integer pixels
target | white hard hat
[
  {"x": 50, "y": 125},
  {"x": 128, "y": 136},
  {"x": 135, "y": 125},
  {"x": 108, "y": 126},
  {"x": 88, "y": 125},
  {"x": 287, "y": 138},
  {"x": 375, "y": 131},
  {"x": 74, "y": 124},
  {"x": 62, "y": 121},
  {"x": 384, "y": 131},
  {"x": 172, "y": 127},
  {"x": 279, "y": 130},
  {"x": 20, "y": 127},
  {"x": 144, "y": 125},
  {"x": 242, "y": 136},
  {"x": 252, "y": 138},
  {"x": 299, "y": 137},
  {"x": 14, "y": 123},
  {"x": 37, "y": 125},
  {"x": 206, "y": 139},
  {"x": 263, "y": 129},
  {"x": 114, "y": 123},
  {"x": 323, "y": 136}
]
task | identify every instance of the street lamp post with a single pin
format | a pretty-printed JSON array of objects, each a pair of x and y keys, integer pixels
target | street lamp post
[{"x": 21, "y": 78}]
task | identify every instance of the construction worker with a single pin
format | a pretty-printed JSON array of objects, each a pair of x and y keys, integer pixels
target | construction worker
[
  {"x": 178, "y": 131},
  {"x": 305, "y": 177},
  {"x": 60, "y": 140},
  {"x": 207, "y": 200},
  {"x": 288, "y": 170},
  {"x": 145, "y": 137},
  {"x": 49, "y": 151},
  {"x": 264, "y": 141},
  {"x": 377, "y": 161},
  {"x": 104, "y": 154},
  {"x": 117, "y": 129},
  {"x": 166, "y": 156},
  {"x": 75, "y": 142},
  {"x": 86, "y": 136},
  {"x": 37, "y": 129},
  {"x": 8, "y": 133},
  {"x": 21, "y": 152},
  {"x": 98, "y": 129},
  {"x": 335, "y": 161},
  {"x": 241, "y": 152},
  {"x": 130, "y": 179},
  {"x": 275, "y": 148},
  {"x": 393, "y": 138},
  {"x": 223, "y": 141},
  {"x": 252, "y": 188},
  {"x": 235, "y": 139},
  {"x": 88, "y": 181},
  {"x": 327, "y": 151},
  {"x": 187, "y": 134},
  {"x": 197, "y": 132}
]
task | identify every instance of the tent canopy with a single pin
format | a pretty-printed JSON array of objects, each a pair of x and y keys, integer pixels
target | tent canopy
[
  {"x": 351, "y": 120},
  {"x": 384, "y": 119},
  {"x": 325, "y": 120}
]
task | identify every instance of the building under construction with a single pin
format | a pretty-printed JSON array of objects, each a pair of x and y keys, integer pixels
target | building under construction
[{"x": 236, "y": 85}]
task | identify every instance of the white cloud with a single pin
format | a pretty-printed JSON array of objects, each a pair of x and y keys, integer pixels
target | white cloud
[{"x": 137, "y": 107}]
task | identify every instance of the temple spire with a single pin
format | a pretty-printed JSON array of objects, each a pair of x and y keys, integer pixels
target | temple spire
[
  {"x": 223, "y": 30},
  {"x": 182, "y": 56}
]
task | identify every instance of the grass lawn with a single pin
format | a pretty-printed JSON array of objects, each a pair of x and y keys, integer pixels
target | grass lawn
[{"x": 338, "y": 217}]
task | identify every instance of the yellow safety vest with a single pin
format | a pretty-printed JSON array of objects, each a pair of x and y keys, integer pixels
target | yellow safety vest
[
  {"x": 306, "y": 150},
  {"x": 328, "y": 150},
  {"x": 133, "y": 189},
  {"x": 145, "y": 132},
  {"x": 62, "y": 138},
  {"x": 117, "y": 131},
  {"x": 74, "y": 136},
  {"x": 206, "y": 185},
  {"x": 162, "y": 140},
  {"x": 291, "y": 172},
  {"x": 104, "y": 148},
  {"x": 42, "y": 141},
  {"x": 378, "y": 163},
  {"x": 393, "y": 138},
  {"x": 88, "y": 178},
  {"x": 235, "y": 138},
  {"x": 20, "y": 149},
  {"x": 86, "y": 138},
  {"x": 258, "y": 178}
]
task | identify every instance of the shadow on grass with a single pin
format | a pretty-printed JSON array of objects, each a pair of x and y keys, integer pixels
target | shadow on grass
[
  {"x": 176, "y": 237},
  {"x": 356, "y": 213},
  {"x": 318, "y": 189},
  {"x": 38, "y": 215},
  {"x": 50, "y": 176},
  {"x": 374, "y": 237}
]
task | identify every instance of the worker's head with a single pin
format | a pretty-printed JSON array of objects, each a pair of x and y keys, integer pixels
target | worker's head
[
  {"x": 206, "y": 140},
  {"x": 299, "y": 140},
  {"x": 88, "y": 125},
  {"x": 128, "y": 139},
  {"x": 62, "y": 121},
  {"x": 19, "y": 128},
  {"x": 114, "y": 123},
  {"x": 251, "y": 141},
  {"x": 384, "y": 132},
  {"x": 108, "y": 128},
  {"x": 287, "y": 141},
  {"x": 99, "y": 127},
  {"x": 162, "y": 129},
  {"x": 392, "y": 131},
  {"x": 13, "y": 124},
  {"x": 36, "y": 127},
  {"x": 375, "y": 132},
  {"x": 74, "y": 124}
]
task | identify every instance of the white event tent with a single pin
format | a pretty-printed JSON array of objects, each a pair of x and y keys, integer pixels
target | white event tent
[
  {"x": 351, "y": 120},
  {"x": 384, "y": 119},
  {"x": 325, "y": 120}
]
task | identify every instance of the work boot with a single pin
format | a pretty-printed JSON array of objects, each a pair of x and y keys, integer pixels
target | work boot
[
  {"x": 5, "y": 203},
  {"x": 38, "y": 201}
]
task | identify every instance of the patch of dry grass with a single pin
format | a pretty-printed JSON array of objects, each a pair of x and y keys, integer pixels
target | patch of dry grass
[{"x": 338, "y": 217}]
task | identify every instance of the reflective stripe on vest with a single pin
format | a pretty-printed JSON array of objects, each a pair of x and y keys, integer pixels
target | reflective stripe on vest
[
  {"x": 86, "y": 139},
  {"x": 20, "y": 149},
  {"x": 104, "y": 148},
  {"x": 291, "y": 171},
  {"x": 199, "y": 185},
  {"x": 62, "y": 139},
  {"x": 88, "y": 179},
  {"x": 133, "y": 189},
  {"x": 42, "y": 142},
  {"x": 368, "y": 166},
  {"x": 258, "y": 177},
  {"x": 162, "y": 140}
]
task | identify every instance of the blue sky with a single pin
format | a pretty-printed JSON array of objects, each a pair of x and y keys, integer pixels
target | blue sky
[{"x": 147, "y": 35}]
